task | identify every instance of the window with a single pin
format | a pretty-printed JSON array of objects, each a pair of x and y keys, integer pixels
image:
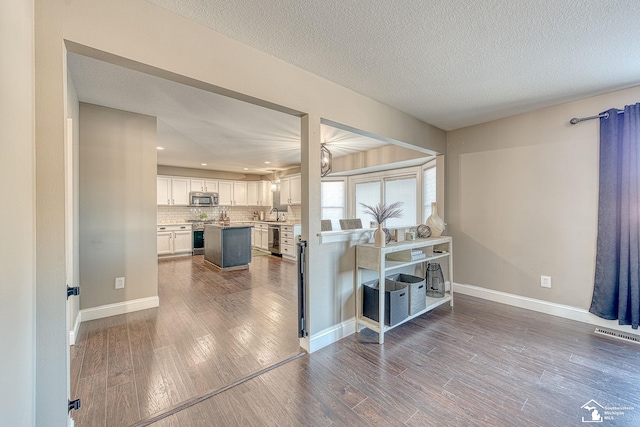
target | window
[
  {"x": 402, "y": 190},
  {"x": 333, "y": 202},
  {"x": 369, "y": 194},
  {"x": 428, "y": 189}
]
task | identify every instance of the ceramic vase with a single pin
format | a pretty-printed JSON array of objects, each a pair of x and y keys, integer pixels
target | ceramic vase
[
  {"x": 435, "y": 223},
  {"x": 380, "y": 238}
]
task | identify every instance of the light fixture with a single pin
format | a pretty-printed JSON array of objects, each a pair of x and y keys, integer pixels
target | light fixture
[
  {"x": 245, "y": 169},
  {"x": 267, "y": 162},
  {"x": 274, "y": 181},
  {"x": 326, "y": 160},
  {"x": 203, "y": 164},
  {"x": 159, "y": 148}
]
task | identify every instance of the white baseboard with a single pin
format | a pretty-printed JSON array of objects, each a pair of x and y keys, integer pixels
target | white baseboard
[
  {"x": 560, "y": 310},
  {"x": 332, "y": 334},
  {"x": 117, "y": 308},
  {"x": 74, "y": 333}
]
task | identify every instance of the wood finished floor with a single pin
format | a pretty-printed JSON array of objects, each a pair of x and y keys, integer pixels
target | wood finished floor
[
  {"x": 211, "y": 329},
  {"x": 478, "y": 364}
]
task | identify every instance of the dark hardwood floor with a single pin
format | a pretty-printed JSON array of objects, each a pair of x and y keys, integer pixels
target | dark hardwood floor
[
  {"x": 478, "y": 364},
  {"x": 211, "y": 329}
]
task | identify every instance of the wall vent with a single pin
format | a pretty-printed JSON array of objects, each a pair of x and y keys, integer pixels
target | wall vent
[{"x": 619, "y": 335}]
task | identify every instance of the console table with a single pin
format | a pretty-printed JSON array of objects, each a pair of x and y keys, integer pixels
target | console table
[{"x": 382, "y": 261}]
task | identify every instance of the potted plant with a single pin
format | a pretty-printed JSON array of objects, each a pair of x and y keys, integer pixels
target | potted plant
[{"x": 380, "y": 213}]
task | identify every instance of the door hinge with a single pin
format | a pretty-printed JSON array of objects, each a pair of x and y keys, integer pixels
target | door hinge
[
  {"x": 75, "y": 291},
  {"x": 74, "y": 405}
]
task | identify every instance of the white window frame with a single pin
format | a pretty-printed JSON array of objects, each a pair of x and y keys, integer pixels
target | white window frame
[
  {"x": 346, "y": 197},
  {"x": 429, "y": 165}
]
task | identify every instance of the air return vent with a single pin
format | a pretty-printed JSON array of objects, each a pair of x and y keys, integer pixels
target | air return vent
[{"x": 619, "y": 335}]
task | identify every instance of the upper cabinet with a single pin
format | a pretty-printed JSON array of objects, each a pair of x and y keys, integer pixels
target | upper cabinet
[
  {"x": 259, "y": 193},
  {"x": 173, "y": 191},
  {"x": 291, "y": 190},
  {"x": 232, "y": 193},
  {"x": 204, "y": 185}
]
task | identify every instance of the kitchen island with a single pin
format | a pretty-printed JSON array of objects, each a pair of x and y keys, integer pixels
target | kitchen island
[{"x": 227, "y": 247}]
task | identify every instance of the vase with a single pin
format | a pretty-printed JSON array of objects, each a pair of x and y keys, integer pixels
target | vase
[
  {"x": 380, "y": 238},
  {"x": 435, "y": 223}
]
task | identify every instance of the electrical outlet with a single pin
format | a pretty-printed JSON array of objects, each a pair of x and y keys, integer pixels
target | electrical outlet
[
  {"x": 545, "y": 281},
  {"x": 119, "y": 282}
]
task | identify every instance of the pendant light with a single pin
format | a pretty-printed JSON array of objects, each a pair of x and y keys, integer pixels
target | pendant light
[
  {"x": 326, "y": 160},
  {"x": 274, "y": 181}
]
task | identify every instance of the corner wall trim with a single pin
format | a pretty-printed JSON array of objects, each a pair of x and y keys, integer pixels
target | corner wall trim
[
  {"x": 74, "y": 332},
  {"x": 332, "y": 334},
  {"x": 118, "y": 308},
  {"x": 560, "y": 310}
]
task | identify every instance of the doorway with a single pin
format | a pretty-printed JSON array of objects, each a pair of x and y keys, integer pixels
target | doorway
[{"x": 139, "y": 362}]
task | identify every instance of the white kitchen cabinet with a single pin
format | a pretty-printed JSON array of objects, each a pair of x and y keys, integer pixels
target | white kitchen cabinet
[
  {"x": 174, "y": 239},
  {"x": 291, "y": 190},
  {"x": 225, "y": 193},
  {"x": 204, "y": 185},
  {"x": 239, "y": 193},
  {"x": 259, "y": 193},
  {"x": 261, "y": 236},
  {"x": 210, "y": 186},
  {"x": 288, "y": 239},
  {"x": 197, "y": 185},
  {"x": 232, "y": 193},
  {"x": 172, "y": 191}
]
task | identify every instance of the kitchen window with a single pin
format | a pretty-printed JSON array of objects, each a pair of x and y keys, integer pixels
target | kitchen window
[
  {"x": 333, "y": 202},
  {"x": 428, "y": 189}
]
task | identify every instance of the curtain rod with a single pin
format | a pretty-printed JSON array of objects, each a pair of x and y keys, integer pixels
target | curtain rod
[{"x": 577, "y": 120}]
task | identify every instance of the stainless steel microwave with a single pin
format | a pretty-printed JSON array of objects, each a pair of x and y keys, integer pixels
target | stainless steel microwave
[{"x": 203, "y": 199}]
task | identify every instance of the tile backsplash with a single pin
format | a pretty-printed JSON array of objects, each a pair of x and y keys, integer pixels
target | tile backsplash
[{"x": 177, "y": 214}]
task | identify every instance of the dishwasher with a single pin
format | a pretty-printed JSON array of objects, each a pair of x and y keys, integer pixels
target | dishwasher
[{"x": 274, "y": 239}]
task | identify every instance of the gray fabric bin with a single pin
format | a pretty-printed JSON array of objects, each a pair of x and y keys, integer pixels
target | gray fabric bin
[
  {"x": 396, "y": 301},
  {"x": 417, "y": 291}
]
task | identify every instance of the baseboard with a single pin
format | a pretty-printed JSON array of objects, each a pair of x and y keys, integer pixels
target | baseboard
[
  {"x": 332, "y": 334},
  {"x": 74, "y": 332},
  {"x": 118, "y": 308},
  {"x": 560, "y": 310}
]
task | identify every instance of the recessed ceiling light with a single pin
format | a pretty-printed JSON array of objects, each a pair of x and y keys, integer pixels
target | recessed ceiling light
[
  {"x": 245, "y": 169},
  {"x": 160, "y": 148},
  {"x": 267, "y": 162},
  {"x": 203, "y": 164}
]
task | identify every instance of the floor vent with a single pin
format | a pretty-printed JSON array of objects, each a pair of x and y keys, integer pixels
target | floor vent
[{"x": 619, "y": 335}]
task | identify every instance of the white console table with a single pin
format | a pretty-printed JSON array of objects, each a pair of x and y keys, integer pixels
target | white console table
[{"x": 377, "y": 259}]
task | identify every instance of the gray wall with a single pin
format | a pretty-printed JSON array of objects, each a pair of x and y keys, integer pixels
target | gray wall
[
  {"x": 17, "y": 214},
  {"x": 522, "y": 201},
  {"x": 117, "y": 205}
]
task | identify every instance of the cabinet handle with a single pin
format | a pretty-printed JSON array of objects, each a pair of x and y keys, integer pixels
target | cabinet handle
[
  {"x": 173, "y": 202},
  {"x": 163, "y": 228},
  {"x": 168, "y": 202}
]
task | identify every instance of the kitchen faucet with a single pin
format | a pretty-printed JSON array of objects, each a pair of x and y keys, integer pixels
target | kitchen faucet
[{"x": 277, "y": 213}]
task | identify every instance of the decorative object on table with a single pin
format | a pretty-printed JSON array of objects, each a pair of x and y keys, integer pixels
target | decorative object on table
[
  {"x": 326, "y": 160},
  {"x": 435, "y": 281},
  {"x": 435, "y": 223},
  {"x": 380, "y": 213},
  {"x": 387, "y": 235},
  {"x": 423, "y": 231},
  {"x": 410, "y": 235}
]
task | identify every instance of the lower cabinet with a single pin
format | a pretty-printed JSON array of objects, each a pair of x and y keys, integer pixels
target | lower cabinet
[
  {"x": 288, "y": 239},
  {"x": 174, "y": 240},
  {"x": 260, "y": 236}
]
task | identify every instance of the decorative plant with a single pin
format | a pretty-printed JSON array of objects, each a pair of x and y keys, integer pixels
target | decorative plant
[
  {"x": 382, "y": 212},
  {"x": 203, "y": 215}
]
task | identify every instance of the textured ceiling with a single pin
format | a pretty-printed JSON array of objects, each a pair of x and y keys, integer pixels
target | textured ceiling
[{"x": 450, "y": 63}]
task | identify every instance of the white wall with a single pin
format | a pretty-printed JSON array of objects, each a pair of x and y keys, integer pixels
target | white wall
[
  {"x": 522, "y": 201},
  {"x": 17, "y": 215},
  {"x": 117, "y": 206}
]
